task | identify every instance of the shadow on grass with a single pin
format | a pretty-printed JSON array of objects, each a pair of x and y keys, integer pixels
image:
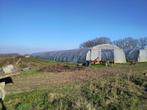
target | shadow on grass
[{"x": 2, "y": 105}]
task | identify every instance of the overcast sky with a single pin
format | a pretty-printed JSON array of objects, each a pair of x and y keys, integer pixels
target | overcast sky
[{"x": 39, "y": 25}]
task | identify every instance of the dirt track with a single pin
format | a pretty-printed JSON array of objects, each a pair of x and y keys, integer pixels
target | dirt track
[{"x": 45, "y": 79}]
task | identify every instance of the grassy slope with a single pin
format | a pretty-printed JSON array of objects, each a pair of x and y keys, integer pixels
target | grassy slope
[{"x": 39, "y": 85}]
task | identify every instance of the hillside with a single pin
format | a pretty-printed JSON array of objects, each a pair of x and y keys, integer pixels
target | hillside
[{"x": 65, "y": 86}]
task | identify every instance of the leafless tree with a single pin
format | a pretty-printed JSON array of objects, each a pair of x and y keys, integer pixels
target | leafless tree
[
  {"x": 142, "y": 42},
  {"x": 96, "y": 41},
  {"x": 127, "y": 43}
]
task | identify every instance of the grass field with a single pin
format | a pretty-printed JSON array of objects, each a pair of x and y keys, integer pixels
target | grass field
[{"x": 64, "y": 86}]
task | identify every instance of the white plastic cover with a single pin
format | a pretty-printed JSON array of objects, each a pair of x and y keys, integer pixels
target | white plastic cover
[
  {"x": 119, "y": 56},
  {"x": 142, "y": 55}
]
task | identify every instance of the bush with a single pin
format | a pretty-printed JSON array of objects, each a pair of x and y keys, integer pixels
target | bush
[
  {"x": 21, "y": 106},
  {"x": 112, "y": 94},
  {"x": 107, "y": 93},
  {"x": 138, "y": 79}
]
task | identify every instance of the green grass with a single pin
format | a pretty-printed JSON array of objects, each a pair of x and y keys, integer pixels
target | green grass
[
  {"x": 36, "y": 99},
  {"x": 122, "y": 92},
  {"x": 29, "y": 73},
  {"x": 105, "y": 93},
  {"x": 97, "y": 66},
  {"x": 42, "y": 61}
]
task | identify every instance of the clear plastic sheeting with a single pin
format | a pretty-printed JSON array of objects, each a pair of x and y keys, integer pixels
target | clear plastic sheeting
[
  {"x": 102, "y": 52},
  {"x": 139, "y": 55},
  {"x": 75, "y": 55},
  {"x": 133, "y": 54},
  {"x": 107, "y": 55}
]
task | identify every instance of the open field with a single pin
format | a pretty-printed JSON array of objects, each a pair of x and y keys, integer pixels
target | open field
[{"x": 56, "y": 85}]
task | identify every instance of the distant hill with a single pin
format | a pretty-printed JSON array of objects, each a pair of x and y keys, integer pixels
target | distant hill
[{"x": 9, "y": 55}]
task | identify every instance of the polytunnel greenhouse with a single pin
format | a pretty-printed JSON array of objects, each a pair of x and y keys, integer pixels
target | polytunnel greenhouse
[
  {"x": 102, "y": 52},
  {"x": 106, "y": 52},
  {"x": 139, "y": 55},
  {"x": 75, "y": 55}
]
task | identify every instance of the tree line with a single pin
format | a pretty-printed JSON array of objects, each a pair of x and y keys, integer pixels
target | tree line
[{"x": 124, "y": 43}]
